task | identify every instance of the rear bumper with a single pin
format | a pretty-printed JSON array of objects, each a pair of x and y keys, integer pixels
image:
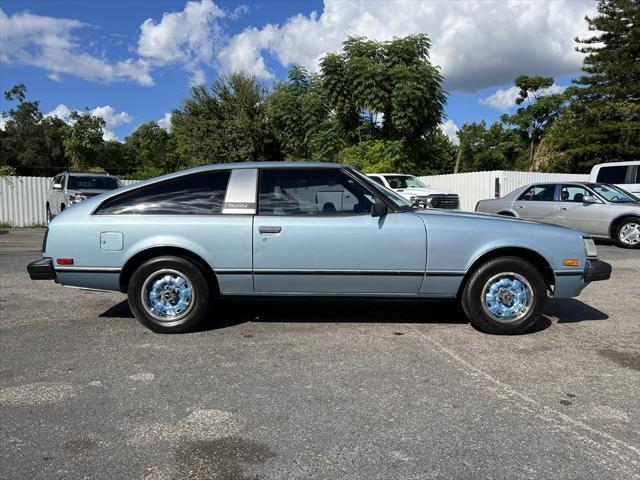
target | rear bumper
[
  {"x": 42, "y": 269},
  {"x": 597, "y": 270}
]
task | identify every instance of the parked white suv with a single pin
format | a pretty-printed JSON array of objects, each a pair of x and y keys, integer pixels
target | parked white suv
[
  {"x": 625, "y": 175},
  {"x": 414, "y": 190},
  {"x": 67, "y": 189}
]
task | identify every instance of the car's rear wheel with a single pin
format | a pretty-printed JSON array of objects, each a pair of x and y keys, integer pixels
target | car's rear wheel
[
  {"x": 169, "y": 294},
  {"x": 504, "y": 296},
  {"x": 627, "y": 232}
]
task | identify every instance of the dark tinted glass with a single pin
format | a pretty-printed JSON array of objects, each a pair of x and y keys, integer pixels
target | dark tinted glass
[
  {"x": 196, "y": 194},
  {"x": 539, "y": 193},
  {"x": 308, "y": 191},
  {"x": 612, "y": 174},
  {"x": 378, "y": 180},
  {"x": 89, "y": 183}
]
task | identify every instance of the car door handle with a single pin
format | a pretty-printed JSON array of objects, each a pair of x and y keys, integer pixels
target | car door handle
[
  {"x": 521, "y": 206},
  {"x": 265, "y": 229},
  {"x": 564, "y": 208}
]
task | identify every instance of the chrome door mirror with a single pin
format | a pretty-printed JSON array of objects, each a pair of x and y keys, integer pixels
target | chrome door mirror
[
  {"x": 378, "y": 209},
  {"x": 57, "y": 186},
  {"x": 590, "y": 199}
]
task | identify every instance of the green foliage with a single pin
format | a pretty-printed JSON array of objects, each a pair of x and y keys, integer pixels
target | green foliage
[
  {"x": 376, "y": 156},
  {"x": 151, "y": 149},
  {"x": 7, "y": 171},
  {"x": 225, "y": 122},
  {"x": 493, "y": 148},
  {"x": 390, "y": 88},
  {"x": 602, "y": 123},
  {"x": 532, "y": 121},
  {"x": 83, "y": 139},
  {"x": 29, "y": 143}
]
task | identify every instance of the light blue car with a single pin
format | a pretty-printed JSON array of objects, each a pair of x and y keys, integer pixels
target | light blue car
[{"x": 176, "y": 243}]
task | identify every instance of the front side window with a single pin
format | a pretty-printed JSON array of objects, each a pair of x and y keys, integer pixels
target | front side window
[
  {"x": 403, "y": 181},
  {"x": 195, "y": 194},
  {"x": 306, "y": 191},
  {"x": 615, "y": 174},
  {"x": 86, "y": 182},
  {"x": 573, "y": 193},
  {"x": 539, "y": 193}
]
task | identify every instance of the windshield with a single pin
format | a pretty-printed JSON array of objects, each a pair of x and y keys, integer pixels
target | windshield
[
  {"x": 613, "y": 194},
  {"x": 397, "y": 200},
  {"x": 86, "y": 182},
  {"x": 403, "y": 181}
]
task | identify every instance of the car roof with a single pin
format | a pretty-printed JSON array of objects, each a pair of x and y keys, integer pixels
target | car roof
[
  {"x": 616, "y": 164},
  {"x": 84, "y": 174},
  {"x": 238, "y": 165}
]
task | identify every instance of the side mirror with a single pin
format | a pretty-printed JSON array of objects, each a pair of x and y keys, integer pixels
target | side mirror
[
  {"x": 57, "y": 186},
  {"x": 590, "y": 199},
  {"x": 378, "y": 209}
]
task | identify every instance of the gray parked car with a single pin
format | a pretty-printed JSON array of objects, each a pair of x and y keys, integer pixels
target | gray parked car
[
  {"x": 177, "y": 242},
  {"x": 600, "y": 209},
  {"x": 68, "y": 188}
]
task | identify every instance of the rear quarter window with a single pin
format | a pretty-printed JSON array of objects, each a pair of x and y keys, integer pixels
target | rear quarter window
[
  {"x": 195, "y": 194},
  {"x": 615, "y": 174}
]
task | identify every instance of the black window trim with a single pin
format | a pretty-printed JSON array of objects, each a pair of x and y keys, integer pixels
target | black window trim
[
  {"x": 344, "y": 170},
  {"x": 127, "y": 192}
]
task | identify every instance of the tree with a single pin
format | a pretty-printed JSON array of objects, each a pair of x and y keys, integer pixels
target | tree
[
  {"x": 493, "y": 148},
  {"x": 541, "y": 110},
  {"x": 151, "y": 151},
  {"x": 82, "y": 139},
  {"x": 602, "y": 123},
  {"x": 385, "y": 90},
  {"x": 225, "y": 122},
  {"x": 30, "y": 143}
]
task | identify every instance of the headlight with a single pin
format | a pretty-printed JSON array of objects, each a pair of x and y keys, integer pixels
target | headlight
[
  {"x": 75, "y": 198},
  {"x": 590, "y": 248}
]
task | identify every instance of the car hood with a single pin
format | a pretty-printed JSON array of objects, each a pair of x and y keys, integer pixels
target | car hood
[
  {"x": 88, "y": 192},
  {"x": 489, "y": 217},
  {"x": 421, "y": 192}
]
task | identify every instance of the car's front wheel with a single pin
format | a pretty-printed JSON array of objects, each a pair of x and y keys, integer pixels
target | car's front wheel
[
  {"x": 169, "y": 294},
  {"x": 627, "y": 233},
  {"x": 504, "y": 296}
]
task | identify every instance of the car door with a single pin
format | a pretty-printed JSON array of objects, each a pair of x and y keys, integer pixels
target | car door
[
  {"x": 314, "y": 234},
  {"x": 574, "y": 213},
  {"x": 538, "y": 203}
]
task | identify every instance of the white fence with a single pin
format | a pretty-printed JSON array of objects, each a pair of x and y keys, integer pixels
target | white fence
[
  {"x": 23, "y": 200},
  {"x": 475, "y": 186}
]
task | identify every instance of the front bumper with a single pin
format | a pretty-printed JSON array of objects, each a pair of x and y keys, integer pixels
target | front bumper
[
  {"x": 42, "y": 269},
  {"x": 597, "y": 270}
]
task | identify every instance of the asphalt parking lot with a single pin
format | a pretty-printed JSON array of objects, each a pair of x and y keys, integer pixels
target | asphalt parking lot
[{"x": 323, "y": 390}]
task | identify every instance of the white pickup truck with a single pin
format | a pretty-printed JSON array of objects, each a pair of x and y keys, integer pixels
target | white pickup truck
[{"x": 414, "y": 190}]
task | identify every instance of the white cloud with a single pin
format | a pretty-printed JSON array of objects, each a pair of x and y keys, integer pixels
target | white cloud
[
  {"x": 49, "y": 43},
  {"x": 3, "y": 122},
  {"x": 107, "y": 112},
  {"x": 188, "y": 38},
  {"x": 477, "y": 44},
  {"x": 505, "y": 99},
  {"x": 450, "y": 129},
  {"x": 165, "y": 122}
]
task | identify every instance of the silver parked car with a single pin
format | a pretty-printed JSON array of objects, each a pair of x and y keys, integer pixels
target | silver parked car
[
  {"x": 599, "y": 209},
  {"x": 175, "y": 243},
  {"x": 68, "y": 188}
]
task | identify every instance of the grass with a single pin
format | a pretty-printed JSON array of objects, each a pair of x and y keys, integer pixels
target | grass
[{"x": 31, "y": 225}]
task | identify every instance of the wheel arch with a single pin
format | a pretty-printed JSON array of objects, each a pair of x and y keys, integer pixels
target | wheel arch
[
  {"x": 142, "y": 256},
  {"x": 617, "y": 221},
  {"x": 533, "y": 257}
]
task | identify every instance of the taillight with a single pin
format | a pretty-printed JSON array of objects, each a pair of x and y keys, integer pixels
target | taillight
[{"x": 64, "y": 261}]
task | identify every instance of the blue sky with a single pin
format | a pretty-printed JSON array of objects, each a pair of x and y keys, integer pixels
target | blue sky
[{"x": 134, "y": 61}]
